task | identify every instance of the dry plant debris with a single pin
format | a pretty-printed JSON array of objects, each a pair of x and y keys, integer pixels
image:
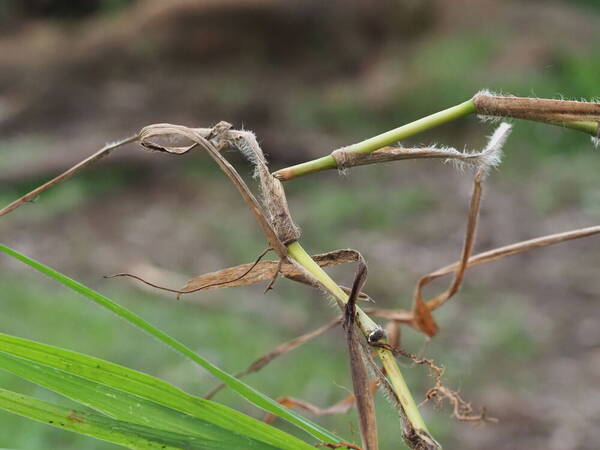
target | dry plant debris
[
  {"x": 358, "y": 366},
  {"x": 365, "y": 339}
]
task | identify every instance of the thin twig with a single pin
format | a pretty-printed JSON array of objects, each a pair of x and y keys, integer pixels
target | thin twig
[
  {"x": 509, "y": 250},
  {"x": 278, "y": 351},
  {"x": 104, "y": 151}
]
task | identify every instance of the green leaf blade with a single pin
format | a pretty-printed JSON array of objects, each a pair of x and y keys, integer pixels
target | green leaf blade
[
  {"x": 94, "y": 425},
  {"x": 125, "y": 407},
  {"x": 149, "y": 388},
  {"x": 252, "y": 395}
]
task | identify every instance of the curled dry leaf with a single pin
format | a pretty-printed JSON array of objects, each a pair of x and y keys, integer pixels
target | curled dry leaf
[
  {"x": 487, "y": 158},
  {"x": 347, "y": 158},
  {"x": 490, "y": 157},
  {"x": 508, "y": 250},
  {"x": 220, "y": 133},
  {"x": 264, "y": 271},
  {"x": 273, "y": 195},
  {"x": 407, "y": 317}
]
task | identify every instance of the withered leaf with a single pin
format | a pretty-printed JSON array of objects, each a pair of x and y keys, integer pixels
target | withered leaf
[
  {"x": 264, "y": 271},
  {"x": 196, "y": 137},
  {"x": 360, "y": 375},
  {"x": 341, "y": 407},
  {"x": 280, "y": 350}
]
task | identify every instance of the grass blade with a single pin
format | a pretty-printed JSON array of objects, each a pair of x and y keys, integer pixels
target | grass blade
[
  {"x": 146, "y": 387},
  {"x": 246, "y": 391},
  {"x": 95, "y": 425},
  {"x": 126, "y": 407}
]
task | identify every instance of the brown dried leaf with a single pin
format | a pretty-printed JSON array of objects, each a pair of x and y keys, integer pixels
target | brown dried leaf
[
  {"x": 491, "y": 155},
  {"x": 360, "y": 375},
  {"x": 422, "y": 313},
  {"x": 341, "y": 407},
  {"x": 539, "y": 109},
  {"x": 264, "y": 271},
  {"x": 278, "y": 351},
  {"x": 509, "y": 250},
  {"x": 196, "y": 137}
]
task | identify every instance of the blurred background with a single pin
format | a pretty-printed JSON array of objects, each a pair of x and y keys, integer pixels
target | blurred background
[{"x": 523, "y": 335}]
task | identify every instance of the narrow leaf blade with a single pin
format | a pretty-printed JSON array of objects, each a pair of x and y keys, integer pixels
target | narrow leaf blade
[
  {"x": 249, "y": 393},
  {"x": 92, "y": 424},
  {"x": 147, "y": 387}
]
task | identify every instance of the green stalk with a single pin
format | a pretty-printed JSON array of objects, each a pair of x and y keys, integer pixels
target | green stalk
[
  {"x": 587, "y": 127},
  {"x": 381, "y": 140},
  {"x": 367, "y": 325}
]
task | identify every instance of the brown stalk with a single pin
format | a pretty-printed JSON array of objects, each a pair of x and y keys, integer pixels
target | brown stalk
[
  {"x": 360, "y": 376},
  {"x": 509, "y": 250},
  {"x": 219, "y": 134},
  {"x": 346, "y": 158},
  {"x": 538, "y": 109},
  {"x": 278, "y": 351},
  {"x": 104, "y": 151}
]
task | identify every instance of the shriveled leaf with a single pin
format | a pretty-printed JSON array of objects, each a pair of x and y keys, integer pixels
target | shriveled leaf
[
  {"x": 251, "y": 273},
  {"x": 148, "y": 137},
  {"x": 278, "y": 351},
  {"x": 360, "y": 375},
  {"x": 510, "y": 250},
  {"x": 341, "y": 407},
  {"x": 273, "y": 195},
  {"x": 491, "y": 156},
  {"x": 347, "y": 158}
]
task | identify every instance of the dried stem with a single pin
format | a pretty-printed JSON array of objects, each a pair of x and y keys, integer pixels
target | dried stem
[
  {"x": 278, "y": 351},
  {"x": 407, "y": 317},
  {"x": 509, "y": 250},
  {"x": 582, "y": 116},
  {"x": 360, "y": 376},
  {"x": 421, "y": 312},
  {"x": 104, "y": 151},
  {"x": 415, "y": 430}
]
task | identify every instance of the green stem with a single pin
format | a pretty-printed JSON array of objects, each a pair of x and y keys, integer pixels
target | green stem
[
  {"x": 586, "y": 127},
  {"x": 367, "y": 325},
  {"x": 381, "y": 140}
]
